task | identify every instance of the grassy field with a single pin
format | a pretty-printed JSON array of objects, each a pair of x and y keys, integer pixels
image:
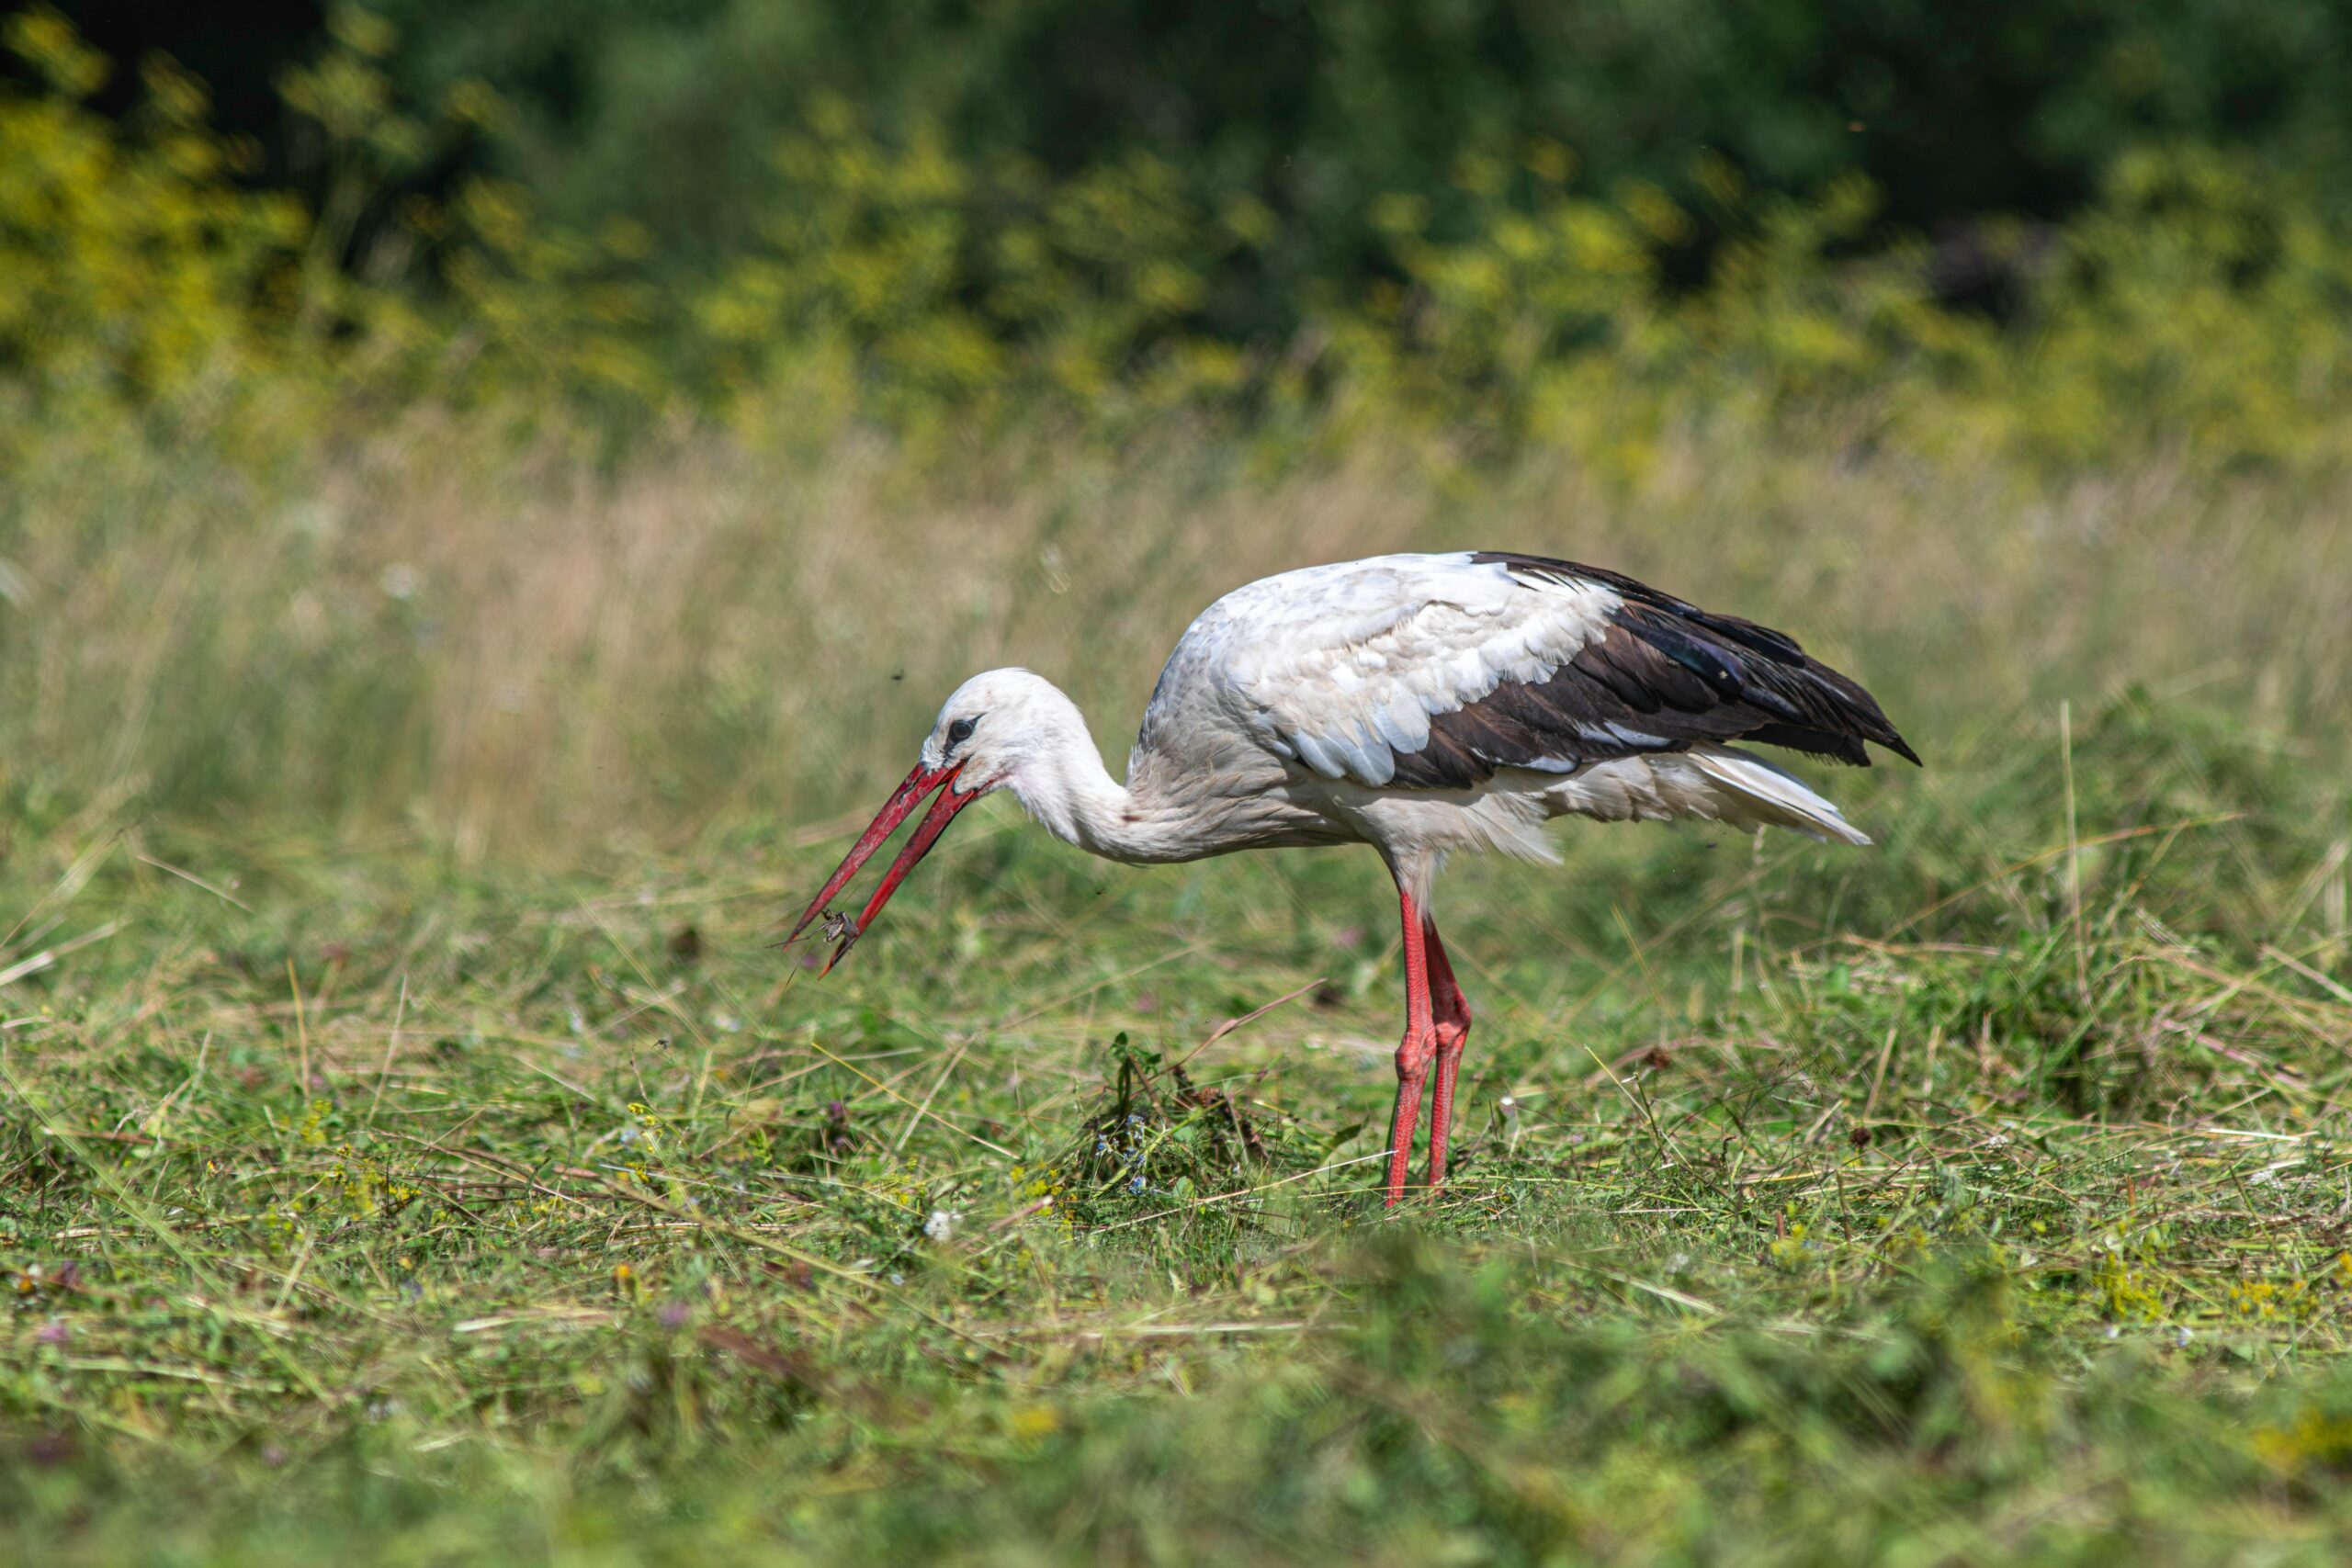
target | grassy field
[{"x": 412, "y": 1148}]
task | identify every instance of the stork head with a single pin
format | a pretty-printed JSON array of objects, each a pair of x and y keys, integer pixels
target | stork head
[{"x": 996, "y": 728}]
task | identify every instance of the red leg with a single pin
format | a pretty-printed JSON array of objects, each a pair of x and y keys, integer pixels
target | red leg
[
  {"x": 1451, "y": 1011},
  {"x": 1413, "y": 1053}
]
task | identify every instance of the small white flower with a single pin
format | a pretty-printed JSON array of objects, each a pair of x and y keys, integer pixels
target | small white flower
[
  {"x": 400, "y": 580},
  {"x": 941, "y": 1224}
]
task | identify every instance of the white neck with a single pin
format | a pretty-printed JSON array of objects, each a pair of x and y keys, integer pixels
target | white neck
[
  {"x": 1065, "y": 787},
  {"x": 1202, "y": 799}
]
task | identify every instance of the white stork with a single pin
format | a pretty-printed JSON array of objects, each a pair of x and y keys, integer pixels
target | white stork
[{"x": 1419, "y": 703}]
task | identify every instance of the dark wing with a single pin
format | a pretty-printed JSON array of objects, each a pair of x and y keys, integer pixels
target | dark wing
[{"x": 1658, "y": 675}]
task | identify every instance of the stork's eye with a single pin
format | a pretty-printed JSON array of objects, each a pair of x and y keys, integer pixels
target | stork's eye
[{"x": 958, "y": 732}]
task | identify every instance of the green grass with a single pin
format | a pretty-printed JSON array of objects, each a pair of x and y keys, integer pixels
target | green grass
[{"x": 1983, "y": 1197}]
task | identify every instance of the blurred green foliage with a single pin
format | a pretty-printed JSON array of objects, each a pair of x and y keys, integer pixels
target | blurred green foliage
[
  {"x": 130, "y": 264},
  {"x": 900, "y": 269},
  {"x": 668, "y": 112},
  {"x": 933, "y": 280}
]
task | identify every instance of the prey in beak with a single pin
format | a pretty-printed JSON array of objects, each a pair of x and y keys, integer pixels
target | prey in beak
[{"x": 843, "y": 930}]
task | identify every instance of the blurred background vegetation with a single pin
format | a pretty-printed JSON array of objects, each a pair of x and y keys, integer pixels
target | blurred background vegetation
[{"x": 509, "y": 368}]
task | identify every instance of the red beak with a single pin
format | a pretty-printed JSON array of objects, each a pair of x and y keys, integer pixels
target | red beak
[{"x": 897, "y": 809}]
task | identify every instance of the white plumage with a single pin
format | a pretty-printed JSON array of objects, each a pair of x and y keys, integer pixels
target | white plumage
[
  {"x": 1419, "y": 703},
  {"x": 1343, "y": 666}
]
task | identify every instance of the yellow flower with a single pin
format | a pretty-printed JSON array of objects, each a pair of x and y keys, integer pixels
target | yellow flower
[{"x": 1030, "y": 1421}]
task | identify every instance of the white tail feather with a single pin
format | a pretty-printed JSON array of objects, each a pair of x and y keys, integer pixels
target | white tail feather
[{"x": 1763, "y": 794}]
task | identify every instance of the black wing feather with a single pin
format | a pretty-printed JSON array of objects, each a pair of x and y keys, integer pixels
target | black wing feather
[{"x": 1665, "y": 676}]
